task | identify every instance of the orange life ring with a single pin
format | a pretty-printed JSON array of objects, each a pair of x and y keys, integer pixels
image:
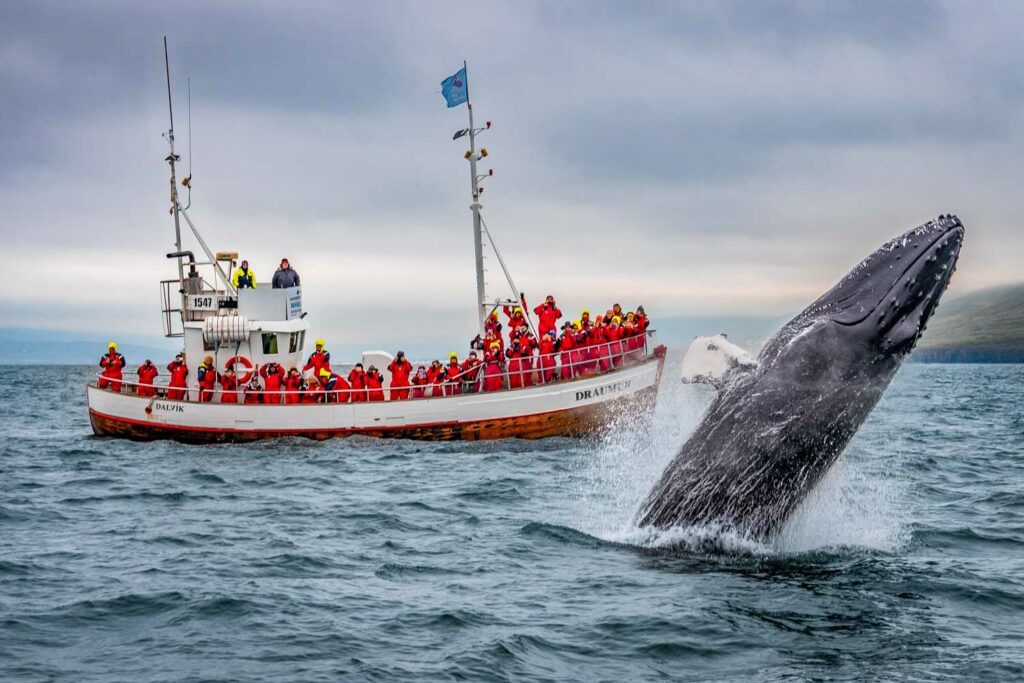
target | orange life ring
[{"x": 244, "y": 379}]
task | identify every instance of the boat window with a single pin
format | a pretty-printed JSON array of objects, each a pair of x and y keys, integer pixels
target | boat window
[
  {"x": 293, "y": 342},
  {"x": 302, "y": 340},
  {"x": 269, "y": 344}
]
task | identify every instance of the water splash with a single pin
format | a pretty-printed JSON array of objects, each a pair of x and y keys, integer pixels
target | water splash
[{"x": 853, "y": 505}]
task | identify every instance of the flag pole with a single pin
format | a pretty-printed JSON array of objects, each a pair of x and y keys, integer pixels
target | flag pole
[{"x": 478, "y": 246}]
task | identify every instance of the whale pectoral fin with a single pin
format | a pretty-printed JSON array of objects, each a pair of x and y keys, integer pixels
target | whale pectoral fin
[{"x": 709, "y": 359}]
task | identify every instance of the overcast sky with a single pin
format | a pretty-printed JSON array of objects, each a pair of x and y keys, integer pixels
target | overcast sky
[{"x": 699, "y": 158}]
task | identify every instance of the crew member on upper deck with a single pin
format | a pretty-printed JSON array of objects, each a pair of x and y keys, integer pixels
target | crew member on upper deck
[
  {"x": 548, "y": 313},
  {"x": 244, "y": 278},
  {"x": 285, "y": 276}
]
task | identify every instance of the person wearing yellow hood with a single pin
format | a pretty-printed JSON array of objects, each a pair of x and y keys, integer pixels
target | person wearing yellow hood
[
  {"x": 516, "y": 318},
  {"x": 112, "y": 363},
  {"x": 318, "y": 360}
]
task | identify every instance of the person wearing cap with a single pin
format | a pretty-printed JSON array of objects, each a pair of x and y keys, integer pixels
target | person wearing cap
[
  {"x": 111, "y": 362},
  {"x": 419, "y": 383},
  {"x": 253, "y": 392},
  {"x": 584, "y": 319},
  {"x": 207, "y": 376},
  {"x": 285, "y": 276},
  {"x": 435, "y": 377},
  {"x": 243, "y": 277},
  {"x": 469, "y": 371},
  {"x": 400, "y": 369},
  {"x": 613, "y": 331},
  {"x": 453, "y": 375},
  {"x": 179, "y": 378},
  {"x": 527, "y": 348},
  {"x": 374, "y": 384},
  {"x": 147, "y": 372},
  {"x": 229, "y": 386},
  {"x": 515, "y": 365},
  {"x": 357, "y": 380},
  {"x": 547, "y": 313},
  {"x": 318, "y": 360},
  {"x": 547, "y": 363},
  {"x": 599, "y": 346}
]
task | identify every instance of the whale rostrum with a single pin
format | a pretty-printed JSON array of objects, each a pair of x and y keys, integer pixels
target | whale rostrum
[{"x": 777, "y": 426}]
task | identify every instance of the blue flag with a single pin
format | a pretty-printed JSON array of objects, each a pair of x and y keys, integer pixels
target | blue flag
[{"x": 455, "y": 89}]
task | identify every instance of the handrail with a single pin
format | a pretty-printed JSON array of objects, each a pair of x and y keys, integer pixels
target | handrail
[{"x": 477, "y": 382}]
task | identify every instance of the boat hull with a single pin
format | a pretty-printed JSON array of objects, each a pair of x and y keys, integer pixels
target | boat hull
[{"x": 574, "y": 408}]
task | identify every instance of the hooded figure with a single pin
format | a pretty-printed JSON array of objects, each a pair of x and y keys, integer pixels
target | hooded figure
[
  {"x": 111, "y": 363},
  {"x": 244, "y": 278},
  {"x": 400, "y": 369},
  {"x": 357, "y": 380},
  {"x": 147, "y": 372},
  {"x": 318, "y": 360},
  {"x": 419, "y": 382},
  {"x": 179, "y": 378},
  {"x": 207, "y": 380},
  {"x": 548, "y": 313},
  {"x": 285, "y": 276},
  {"x": 229, "y": 386}
]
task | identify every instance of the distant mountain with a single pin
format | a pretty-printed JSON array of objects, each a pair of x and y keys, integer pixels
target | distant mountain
[
  {"x": 21, "y": 346},
  {"x": 986, "y": 326}
]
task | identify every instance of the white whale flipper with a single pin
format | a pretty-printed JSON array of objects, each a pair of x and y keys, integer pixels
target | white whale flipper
[{"x": 709, "y": 358}]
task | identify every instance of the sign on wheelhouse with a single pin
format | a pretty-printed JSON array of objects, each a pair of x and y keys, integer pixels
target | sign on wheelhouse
[{"x": 245, "y": 331}]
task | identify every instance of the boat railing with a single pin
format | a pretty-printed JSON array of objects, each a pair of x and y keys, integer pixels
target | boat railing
[{"x": 563, "y": 365}]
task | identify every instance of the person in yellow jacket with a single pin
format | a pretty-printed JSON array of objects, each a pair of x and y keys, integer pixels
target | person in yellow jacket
[{"x": 244, "y": 278}]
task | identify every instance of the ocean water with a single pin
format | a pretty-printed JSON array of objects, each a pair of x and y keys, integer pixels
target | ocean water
[{"x": 389, "y": 560}]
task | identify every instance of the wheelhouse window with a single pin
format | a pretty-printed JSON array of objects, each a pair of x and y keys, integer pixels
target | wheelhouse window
[
  {"x": 269, "y": 344},
  {"x": 293, "y": 342}
]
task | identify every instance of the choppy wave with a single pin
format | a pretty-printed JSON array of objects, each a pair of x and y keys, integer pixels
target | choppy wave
[{"x": 390, "y": 560}]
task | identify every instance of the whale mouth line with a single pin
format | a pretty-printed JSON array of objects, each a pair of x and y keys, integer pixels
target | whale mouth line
[{"x": 896, "y": 283}]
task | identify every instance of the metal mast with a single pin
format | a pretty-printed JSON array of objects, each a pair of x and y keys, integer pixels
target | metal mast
[
  {"x": 478, "y": 246},
  {"x": 171, "y": 158}
]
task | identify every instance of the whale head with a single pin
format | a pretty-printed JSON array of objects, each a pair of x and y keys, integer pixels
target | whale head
[{"x": 876, "y": 314}]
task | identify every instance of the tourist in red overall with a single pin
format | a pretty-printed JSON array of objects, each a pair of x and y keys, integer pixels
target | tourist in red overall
[
  {"x": 452, "y": 375},
  {"x": 470, "y": 371},
  {"x": 614, "y": 334},
  {"x": 292, "y": 386},
  {"x": 179, "y": 378},
  {"x": 229, "y": 387},
  {"x": 112, "y": 363},
  {"x": 516, "y": 319},
  {"x": 629, "y": 339},
  {"x": 419, "y": 383},
  {"x": 492, "y": 325},
  {"x": 435, "y": 376},
  {"x": 547, "y": 363},
  {"x": 357, "y": 380},
  {"x": 374, "y": 384},
  {"x": 515, "y": 365},
  {"x": 566, "y": 346},
  {"x": 273, "y": 379},
  {"x": 147, "y": 372},
  {"x": 547, "y": 313},
  {"x": 584, "y": 321},
  {"x": 318, "y": 360},
  {"x": 493, "y": 368},
  {"x": 599, "y": 348},
  {"x": 207, "y": 376},
  {"x": 400, "y": 369},
  {"x": 253, "y": 392},
  {"x": 527, "y": 348},
  {"x": 312, "y": 391},
  {"x": 339, "y": 390}
]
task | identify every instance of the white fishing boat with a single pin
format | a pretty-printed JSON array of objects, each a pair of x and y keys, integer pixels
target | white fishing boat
[{"x": 245, "y": 329}]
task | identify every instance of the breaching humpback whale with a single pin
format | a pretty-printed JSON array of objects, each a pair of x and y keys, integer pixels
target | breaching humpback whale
[{"x": 775, "y": 429}]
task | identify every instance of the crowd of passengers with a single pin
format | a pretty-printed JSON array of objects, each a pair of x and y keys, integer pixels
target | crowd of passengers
[{"x": 587, "y": 345}]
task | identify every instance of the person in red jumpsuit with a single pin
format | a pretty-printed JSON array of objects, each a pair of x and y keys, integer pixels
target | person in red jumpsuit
[
  {"x": 273, "y": 379},
  {"x": 341, "y": 390},
  {"x": 453, "y": 375},
  {"x": 112, "y": 363},
  {"x": 566, "y": 347},
  {"x": 600, "y": 351},
  {"x": 179, "y": 378},
  {"x": 493, "y": 368},
  {"x": 547, "y": 313},
  {"x": 547, "y": 363},
  {"x": 629, "y": 340},
  {"x": 515, "y": 365},
  {"x": 585, "y": 320},
  {"x": 253, "y": 392},
  {"x": 527, "y": 348},
  {"x": 492, "y": 325},
  {"x": 614, "y": 334},
  {"x": 312, "y": 391},
  {"x": 207, "y": 376},
  {"x": 469, "y": 371},
  {"x": 292, "y": 386},
  {"x": 228, "y": 386},
  {"x": 374, "y": 384},
  {"x": 419, "y": 383},
  {"x": 147, "y": 372},
  {"x": 357, "y": 380},
  {"x": 516, "y": 319},
  {"x": 318, "y": 360},
  {"x": 400, "y": 369}
]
